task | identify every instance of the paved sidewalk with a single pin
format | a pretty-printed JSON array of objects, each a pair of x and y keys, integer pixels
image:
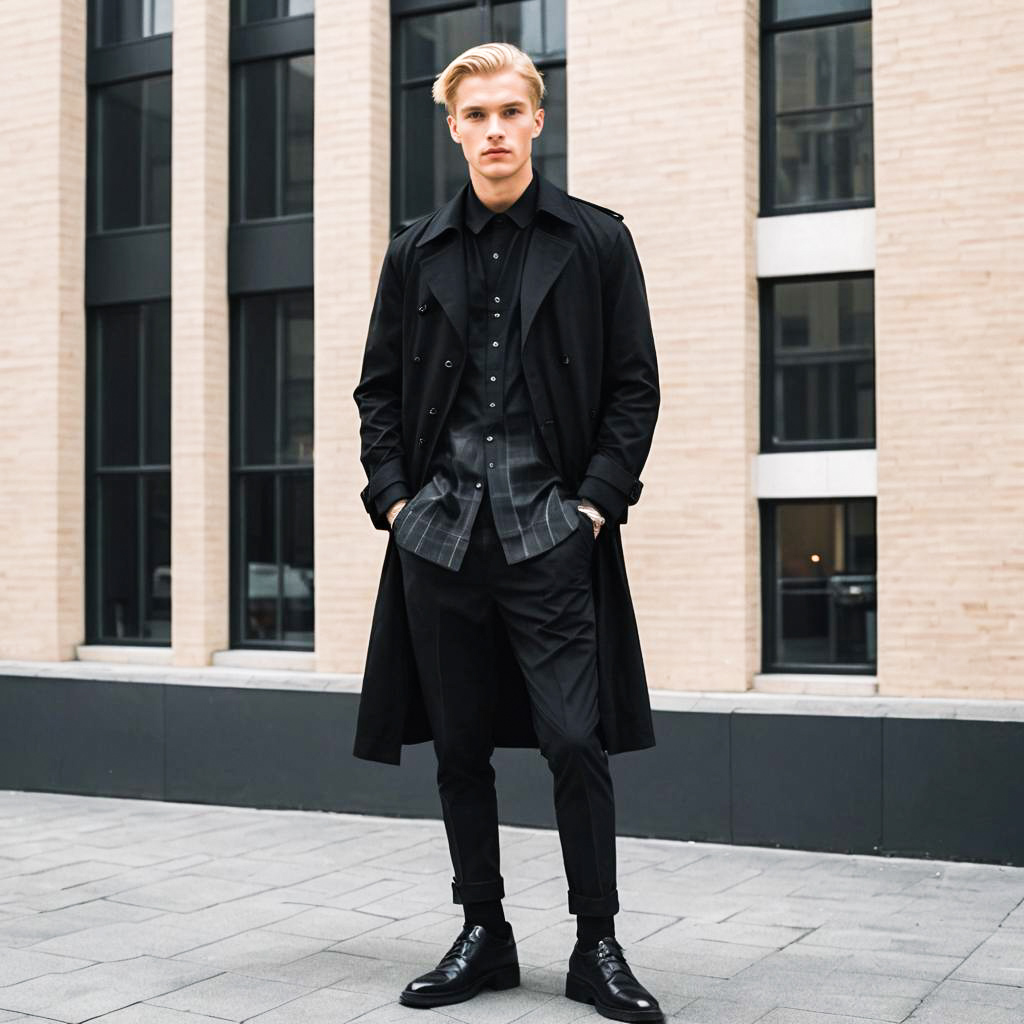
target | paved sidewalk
[{"x": 140, "y": 912}]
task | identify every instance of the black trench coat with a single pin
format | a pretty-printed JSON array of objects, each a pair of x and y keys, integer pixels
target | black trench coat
[{"x": 592, "y": 376}]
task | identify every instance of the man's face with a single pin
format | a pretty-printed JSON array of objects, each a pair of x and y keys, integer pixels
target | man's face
[{"x": 493, "y": 113}]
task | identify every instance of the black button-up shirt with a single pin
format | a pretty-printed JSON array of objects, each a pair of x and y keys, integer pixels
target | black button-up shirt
[{"x": 490, "y": 446}]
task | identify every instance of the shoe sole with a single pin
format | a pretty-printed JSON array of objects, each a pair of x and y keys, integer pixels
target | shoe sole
[
  {"x": 581, "y": 991},
  {"x": 503, "y": 977}
]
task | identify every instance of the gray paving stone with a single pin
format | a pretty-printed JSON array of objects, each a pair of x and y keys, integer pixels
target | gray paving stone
[
  {"x": 76, "y": 996},
  {"x": 329, "y": 1006},
  {"x": 231, "y": 996},
  {"x": 251, "y": 950},
  {"x": 28, "y": 929},
  {"x": 187, "y": 892},
  {"x": 21, "y": 965},
  {"x": 147, "y": 1013}
]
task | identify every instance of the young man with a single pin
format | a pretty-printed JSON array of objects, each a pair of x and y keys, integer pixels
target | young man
[{"x": 508, "y": 398}]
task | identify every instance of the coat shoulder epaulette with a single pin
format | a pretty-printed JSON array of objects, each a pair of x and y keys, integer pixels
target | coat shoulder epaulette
[{"x": 614, "y": 213}]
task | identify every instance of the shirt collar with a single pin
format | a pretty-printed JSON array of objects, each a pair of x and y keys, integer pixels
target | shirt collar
[{"x": 477, "y": 215}]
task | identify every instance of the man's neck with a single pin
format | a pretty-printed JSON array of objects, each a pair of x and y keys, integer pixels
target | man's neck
[{"x": 499, "y": 195}]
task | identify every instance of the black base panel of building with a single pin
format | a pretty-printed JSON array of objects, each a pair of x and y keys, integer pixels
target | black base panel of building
[{"x": 913, "y": 787}]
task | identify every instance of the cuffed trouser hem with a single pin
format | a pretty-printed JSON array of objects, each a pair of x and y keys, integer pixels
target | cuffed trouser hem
[
  {"x": 594, "y": 906},
  {"x": 474, "y": 892}
]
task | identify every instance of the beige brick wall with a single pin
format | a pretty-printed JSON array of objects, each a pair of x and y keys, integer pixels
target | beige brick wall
[
  {"x": 949, "y": 153},
  {"x": 199, "y": 333},
  {"x": 42, "y": 340},
  {"x": 663, "y": 127},
  {"x": 351, "y": 217}
]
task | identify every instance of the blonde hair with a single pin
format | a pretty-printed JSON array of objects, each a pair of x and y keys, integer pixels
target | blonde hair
[{"x": 485, "y": 59}]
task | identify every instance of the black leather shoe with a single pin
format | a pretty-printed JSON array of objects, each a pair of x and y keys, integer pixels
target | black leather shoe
[
  {"x": 601, "y": 976},
  {"x": 476, "y": 958}
]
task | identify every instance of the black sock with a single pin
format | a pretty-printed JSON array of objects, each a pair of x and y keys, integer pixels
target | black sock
[
  {"x": 589, "y": 929},
  {"x": 490, "y": 914}
]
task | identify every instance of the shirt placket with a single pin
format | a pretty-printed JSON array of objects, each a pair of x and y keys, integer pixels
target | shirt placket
[{"x": 498, "y": 238}]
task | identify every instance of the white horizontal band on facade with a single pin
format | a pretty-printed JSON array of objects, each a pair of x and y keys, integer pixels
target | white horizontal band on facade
[
  {"x": 996, "y": 710},
  {"x": 819, "y": 474},
  {"x": 831, "y": 242}
]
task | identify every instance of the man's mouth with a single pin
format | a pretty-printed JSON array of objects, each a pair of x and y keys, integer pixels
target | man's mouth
[{"x": 495, "y": 152}]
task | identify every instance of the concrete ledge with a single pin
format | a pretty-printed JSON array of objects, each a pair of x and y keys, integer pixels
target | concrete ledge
[{"x": 712, "y": 701}]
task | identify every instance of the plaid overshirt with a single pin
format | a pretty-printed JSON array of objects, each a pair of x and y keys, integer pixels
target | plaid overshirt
[{"x": 490, "y": 447}]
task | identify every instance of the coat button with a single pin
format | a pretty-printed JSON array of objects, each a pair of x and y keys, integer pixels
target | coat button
[
  {"x": 422, "y": 441},
  {"x": 416, "y": 359},
  {"x": 424, "y": 308},
  {"x": 448, "y": 363},
  {"x": 433, "y": 410},
  {"x": 565, "y": 359}
]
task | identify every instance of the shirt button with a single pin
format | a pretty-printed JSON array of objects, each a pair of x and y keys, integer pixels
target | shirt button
[
  {"x": 497, "y": 298},
  {"x": 494, "y": 378},
  {"x": 494, "y": 255},
  {"x": 479, "y": 484},
  {"x": 433, "y": 410},
  {"x": 490, "y": 437},
  {"x": 448, "y": 363},
  {"x": 492, "y": 405},
  {"x": 497, "y": 314},
  {"x": 491, "y": 464},
  {"x": 494, "y": 343}
]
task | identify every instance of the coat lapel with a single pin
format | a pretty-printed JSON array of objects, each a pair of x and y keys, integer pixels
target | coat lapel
[
  {"x": 444, "y": 269},
  {"x": 545, "y": 257}
]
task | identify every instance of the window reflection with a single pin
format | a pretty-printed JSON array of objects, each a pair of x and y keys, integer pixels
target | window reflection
[
  {"x": 272, "y": 116},
  {"x": 129, "y": 497},
  {"x": 821, "y": 361},
  {"x": 821, "y": 126},
  {"x": 130, "y": 147},
  {"x": 273, "y": 456},
  {"x": 824, "y": 584}
]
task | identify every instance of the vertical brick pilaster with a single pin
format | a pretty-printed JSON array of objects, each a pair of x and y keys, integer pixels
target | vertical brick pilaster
[
  {"x": 351, "y": 216},
  {"x": 949, "y": 304},
  {"x": 663, "y": 127},
  {"x": 199, "y": 332},
  {"x": 42, "y": 340}
]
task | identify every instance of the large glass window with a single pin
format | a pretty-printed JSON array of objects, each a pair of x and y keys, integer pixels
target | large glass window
[
  {"x": 272, "y": 470},
  {"x": 130, "y": 155},
  {"x": 429, "y": 167},
  {"x": 818, "y": 365},
  {"x": 272, "y": 138},
  {"x": 816, "y": 65},
  {"x": 128, "y": 482},
  {"x": 820, "y": 585},
  {"x": 127, "y": 21}
]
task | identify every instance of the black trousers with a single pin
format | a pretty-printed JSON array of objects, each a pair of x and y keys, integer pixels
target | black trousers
[{"x": 547, "y": 608}]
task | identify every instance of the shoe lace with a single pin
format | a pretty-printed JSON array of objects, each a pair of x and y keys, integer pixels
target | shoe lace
[{"x": 457, "y": 949}]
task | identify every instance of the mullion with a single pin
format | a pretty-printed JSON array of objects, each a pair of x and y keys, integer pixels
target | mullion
[
  {"x": 282, "y": 66},
  {"x": 144, "y": 142},
  {"x": 279, "y": 332}
]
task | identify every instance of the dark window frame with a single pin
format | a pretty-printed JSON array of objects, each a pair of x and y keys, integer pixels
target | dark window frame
[
  {"x": 406, "y": 8},
  {"x": 240, "y": 469},
  {"x": 96, "y": 470},
  {"x": 132, "y": 264},
  {"x": 766, "y": 308},
  {"x": 288, "y": 238},
  {"x": 770, "y": 663},
  {"x": 770, "y": 28}
]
